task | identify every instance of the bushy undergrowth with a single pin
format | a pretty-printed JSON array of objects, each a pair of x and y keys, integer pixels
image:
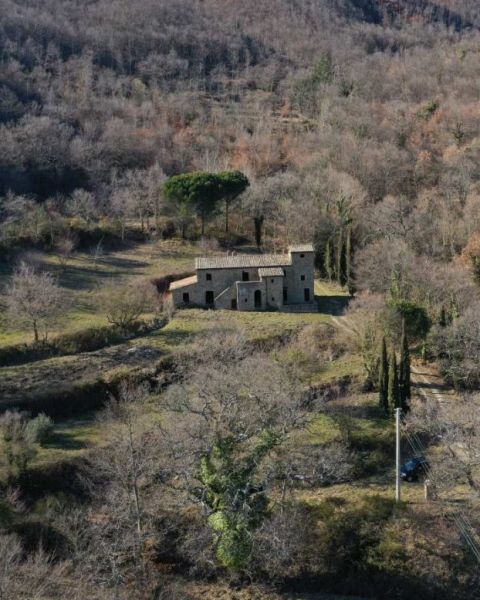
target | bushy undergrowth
[{"x": 39, "y": 429}]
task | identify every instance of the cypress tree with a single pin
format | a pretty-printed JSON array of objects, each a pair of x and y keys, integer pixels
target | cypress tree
[
  {"x": 405, "y": 387},
  {"x": 328, "y": 262},
  {"x": 383, "y": 378},
  {"x": 442, "y": 320},
  {"x": 349, "y": 262},
  {"x": 393, "y": 388},
  {"x": 344, "y": 266},
  {"x": 338, "y": 257},
  {"x": 342, "y": 261}
]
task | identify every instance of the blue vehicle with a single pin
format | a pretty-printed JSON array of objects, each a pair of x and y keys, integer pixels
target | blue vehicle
[{"x": 413, "y": 469}]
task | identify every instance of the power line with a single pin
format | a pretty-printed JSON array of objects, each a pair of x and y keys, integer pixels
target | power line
[{"x": 463, "y": 524}]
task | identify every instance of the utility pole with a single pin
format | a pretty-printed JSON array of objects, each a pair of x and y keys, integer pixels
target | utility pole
[{"x": 398, "y": 412}]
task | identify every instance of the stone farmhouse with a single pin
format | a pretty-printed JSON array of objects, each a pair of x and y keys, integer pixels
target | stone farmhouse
[{"x": 251, "y": 282}]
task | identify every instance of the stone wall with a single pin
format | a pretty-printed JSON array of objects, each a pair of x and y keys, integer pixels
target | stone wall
[
  {"x": 274, "y": 291},
  {"x": 246, "y": 294},
  {"x": 302, "y": 265},
  {"x": 225, "y": 285}
]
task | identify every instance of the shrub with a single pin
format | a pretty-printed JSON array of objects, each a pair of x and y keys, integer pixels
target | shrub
[
  {"x": 162, "y": 283},
  {"x": 427, "y": 111},
  {"x": 457, "y": 348},
  {"x": 39, "y": 430},
  {"x": 168, "y": 230},
  {"x": 284, "y": 547},
  {"x": 228, "y": 239},
  {"x": 16, "y": 450}
]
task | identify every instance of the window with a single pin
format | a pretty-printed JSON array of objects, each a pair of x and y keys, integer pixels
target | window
[
  {"x": 302, "y": 255},
  {"x": 186, "y": 297},
  {"x": 245, "y": 276},
  {"x": 302, "y": 277},
  {"x": 209, "y": 298},
  {"x": 208, "y": 277},
  {"x": 272, "y": 280},
  {"x": 246, "y": 299},
  {"x": 273, "y": 298}
]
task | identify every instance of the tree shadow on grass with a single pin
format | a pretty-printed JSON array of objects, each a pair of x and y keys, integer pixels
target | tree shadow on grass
[
  {"x": 332, "y": 305},
  {"x": 85, "y": 277},
  {"x": 122, "y": 263},
  {"x": 64, "y": 440},
  {"x": 431, "y": 386}
]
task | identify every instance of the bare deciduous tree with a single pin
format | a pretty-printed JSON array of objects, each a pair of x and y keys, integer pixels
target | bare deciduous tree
[
  {"x": 455, "y": 425},
  {"x": 284, "y": 545},
  {"x": 364, "y": 331},
  {"x": 227, "y": 418},
  {"x": 36, "y": 577},
  {"x": 35, "y": 300},
  {"x": 83, "y": 205},
  {"x": 65, "y": 246},
  {"x": 125, "y": 302},
  {"x": 120, "y": 476}
]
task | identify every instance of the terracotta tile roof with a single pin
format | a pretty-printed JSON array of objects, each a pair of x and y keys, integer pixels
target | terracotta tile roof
[
  {"x": 175, "y": 285},
  {"x": 270, "y": 272},
  {"x": 238, "y": 261}
]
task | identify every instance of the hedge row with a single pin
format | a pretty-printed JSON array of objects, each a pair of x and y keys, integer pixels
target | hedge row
[
  {"x": 86, "y": 340},
  {"x": 77, "y": 399}
]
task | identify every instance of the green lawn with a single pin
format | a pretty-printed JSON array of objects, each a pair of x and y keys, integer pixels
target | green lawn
[
  {"x": 326, "y": 288},
  {"x": 60, "y": 372},
  {"x": 70, "y": 440},
  {"x": 83, "y": 276},
  {"x": 259, "y": 326},
  {"x": 348, "y": 366}
]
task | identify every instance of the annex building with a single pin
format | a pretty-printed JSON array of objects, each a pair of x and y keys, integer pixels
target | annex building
[{"x": 251, "y": 282}]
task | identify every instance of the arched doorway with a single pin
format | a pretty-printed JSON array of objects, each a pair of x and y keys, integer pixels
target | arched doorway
[{"x": 257, "y": 298}]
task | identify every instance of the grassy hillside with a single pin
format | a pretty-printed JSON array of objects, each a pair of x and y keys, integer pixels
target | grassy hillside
[
  {"x": 83, "y": 275},
  {"x": 230, "y": 455},
  {"x": 360, "y": 527}
]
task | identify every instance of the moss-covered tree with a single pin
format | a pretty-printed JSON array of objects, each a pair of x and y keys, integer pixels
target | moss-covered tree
[
  {"x": 236, "y": 505},
  {"x": 238, "y": 409}
]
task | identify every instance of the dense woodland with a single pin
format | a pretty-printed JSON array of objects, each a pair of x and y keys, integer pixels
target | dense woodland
[{"x": 351, "y": 123}]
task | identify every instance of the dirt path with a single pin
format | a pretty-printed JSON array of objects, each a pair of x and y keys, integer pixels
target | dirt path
[
  {"x": 429, "y": 384},
  {"x": 426, "y": 380}
]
